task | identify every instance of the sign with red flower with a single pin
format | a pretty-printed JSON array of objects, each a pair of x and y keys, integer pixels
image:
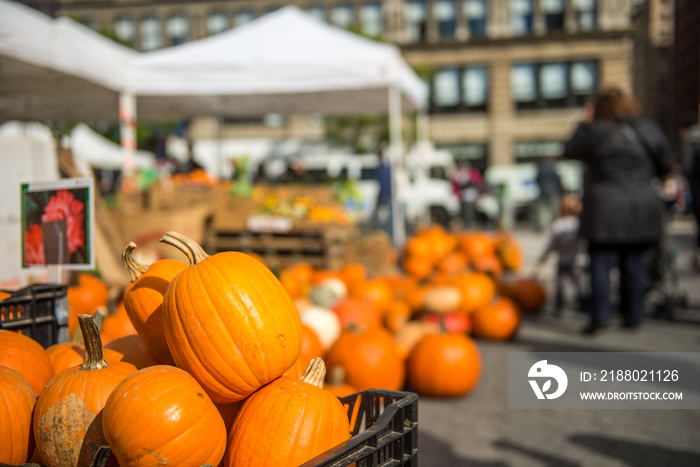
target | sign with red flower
[{"x": 57, "y": 224}]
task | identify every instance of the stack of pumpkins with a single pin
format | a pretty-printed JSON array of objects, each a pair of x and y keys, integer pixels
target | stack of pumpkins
[{"x": 221, "y": 384}]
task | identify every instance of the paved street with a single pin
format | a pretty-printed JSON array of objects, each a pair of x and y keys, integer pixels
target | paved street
[{"x": 479, "y": 430}]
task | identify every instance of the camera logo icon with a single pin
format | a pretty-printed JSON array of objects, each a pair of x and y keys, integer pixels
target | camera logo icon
[{"x": 545, "y": 373}]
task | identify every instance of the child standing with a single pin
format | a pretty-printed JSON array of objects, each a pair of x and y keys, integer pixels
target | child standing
[{"x": 566, "y": 243}]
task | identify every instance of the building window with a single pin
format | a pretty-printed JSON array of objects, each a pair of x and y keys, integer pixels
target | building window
[
  {"x": 553, "y": 11},
  {"x": 243, "y": 17},
  {"x": 342, "y": 16},
  {"x": 125, "y": 31},
  {"x": 217, "y": 22},
  {"x": 557, "y": 84},
  {"x": 415, "y": 20},
  {"x": 460, "y": 89},
  {"x": 445, "y": 13},
  {"x": 475, "y": 153},
  {"x": 371, "y": 19},
  {"x": 521, "y": 16},
  {"x": 531, "y": 151},
  {"x": 151, "y": 34},
  {"x": 586, "y": 14},
  {"x": 475, "y": 12},
  {"x": 178, "y": 29},
  {"x": 318, "y": 12}
]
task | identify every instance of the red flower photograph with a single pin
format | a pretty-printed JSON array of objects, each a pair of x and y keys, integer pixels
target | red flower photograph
[{"x": 55, "y": 224}]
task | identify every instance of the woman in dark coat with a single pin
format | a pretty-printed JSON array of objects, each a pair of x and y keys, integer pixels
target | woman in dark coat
[{"x": 622, "y": 215}]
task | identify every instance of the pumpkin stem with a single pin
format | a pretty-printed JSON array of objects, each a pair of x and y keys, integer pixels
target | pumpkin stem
[
  {"x": 93, "y": 344},
  {"x": 315, "y": 373},
  {"x": 135, "y": 268},
  {"x": 186, "y": 245}
]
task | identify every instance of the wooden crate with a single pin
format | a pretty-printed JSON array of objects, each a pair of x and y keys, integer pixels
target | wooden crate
[
  {"x": 163, "y": 197},
  {"x": 320, "y": 245},
  {"x": 231, "y": 213}
]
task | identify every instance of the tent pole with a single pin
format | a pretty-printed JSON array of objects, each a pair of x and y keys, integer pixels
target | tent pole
[
  {"x": 127, "y": 120},
  {"x": 396, "y": 162}
]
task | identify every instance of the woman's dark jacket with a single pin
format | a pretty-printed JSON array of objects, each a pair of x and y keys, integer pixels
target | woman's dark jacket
[{"x": 620, "y": 205}]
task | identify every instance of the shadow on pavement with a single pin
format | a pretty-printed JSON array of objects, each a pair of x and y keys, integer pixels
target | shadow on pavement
[
  {"x": 433, "y": 452},
  {"x": 634, "y": 453},
  {"x": 544, "y": 458}
]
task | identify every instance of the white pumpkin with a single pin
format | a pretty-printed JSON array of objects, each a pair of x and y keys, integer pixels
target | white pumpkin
[{"x": 324, "y": 322}]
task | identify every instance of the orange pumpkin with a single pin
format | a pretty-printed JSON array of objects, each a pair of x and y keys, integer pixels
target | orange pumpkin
[
  {"x": 476, "y": 245},
  {"x": 16, "y": 405},
  {"x": 353, "y": 311},
  {"x": 497, "y": 321},
  {"x": 68, "y": 414},
  {"x": 85, "y": 298},
  {"x": 444, "y": 365},
  {"x": 293, "y": 284},
  {"x": 116, "y": 325},
  {"x": 183, "y": 425},
  {"x": 143, "y": 300},
  {"x": 311, "y": 346},
  {"x": 420, "y": 247},
  {"x": 398, "y": 314},
  {"x": 509, "y": 252},
  {"x": 453, "y": 263},
  {"x": 131, "y": 349},
  {"x": 67, "y": 355},
  {"x": 488, "y": 264},
  {"x": 415, "y": 296},
  {"x": 255, "y": 315},
  {"x": 27, "y": 356},
  {"x": 287, "y": 423},
  {"x": 417, "y": 267},
  {"x": 528, "y": 294},
  {"x": 378, "y": 292},
  {"x": 353, "y": 274},
  {"x": 370, "y": 357},
  {"x": 477, "y": 291}
]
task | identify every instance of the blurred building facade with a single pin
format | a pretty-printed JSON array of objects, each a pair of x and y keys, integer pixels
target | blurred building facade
[
  {"x": 684, "y": 100},
  {"x": 507, "y": 78}
]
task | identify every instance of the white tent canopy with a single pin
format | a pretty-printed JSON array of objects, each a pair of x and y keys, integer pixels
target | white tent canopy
[
  {"x": 93, "y": 151},
  {"x": 285, "y": 62},
  {"x": 57, "y": 69}
]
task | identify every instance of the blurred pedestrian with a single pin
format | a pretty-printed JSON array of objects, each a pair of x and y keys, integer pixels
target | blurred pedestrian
[
  {"x": 564, "y": 241},
  {"x": 622, "y": 216},
  {"x": 382, "y": 216},
  {"x": 689, "y": 135},
  {"x": 190, "y": 164},
  {"x": 547, "y": 204},
  {"x": 467, "y": 184}
]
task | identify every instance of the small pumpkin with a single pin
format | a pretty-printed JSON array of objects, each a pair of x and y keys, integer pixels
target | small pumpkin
[
  {"x": 254, "y": 314},
  {"x": 131, "y": 349},
  {"x": 398, "y": 314},
  {"x": 451, "y": 322},
  {"x": 184, "y": 426},
  {"x": 65, "y": 355},
  {"x": 85, "y": 297},
  {"x": 444, "y": 365},
  {"x": 27, "y": 356},
  {"x": 143, "y": 300},
  {"x": 353, "y": 274},
  {"x": 354, "y": 311},
  {"x": 417, "y": 267},
  {"x": 497, "y": 321},
  {"x": 477, "y": 290},
  {"x": 16, "y": 405},
  {"x": 68, "y": 415},
  {"x": 116, "y": 325},
  {"x": 288, "y": 422},
  {"x": 371, "y": 359},
  {"x": 378, "y": 291},
  {"x": 328, "y": 292}
]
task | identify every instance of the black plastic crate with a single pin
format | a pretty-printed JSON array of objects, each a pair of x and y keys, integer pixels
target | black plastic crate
[
  {"x": 39, "y": 311},
  {"x": 384, "y": 427}
]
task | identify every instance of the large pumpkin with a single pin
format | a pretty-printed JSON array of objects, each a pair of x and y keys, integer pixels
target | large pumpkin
[
  {"x": 444, "y": 365},
  {"x": 68, "y": 415},
  {"x": 27, "y": 356},
  {"x": 229, "y": 322},
  {"x": 143, "y": 300},
  {"x": 498, "y": 321},
  {"x": 371, "y": 359},
  {"x": 16, "y": 405},
  {"x": 287, "y": 423},
  {"x": 161, "y": 416}
]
